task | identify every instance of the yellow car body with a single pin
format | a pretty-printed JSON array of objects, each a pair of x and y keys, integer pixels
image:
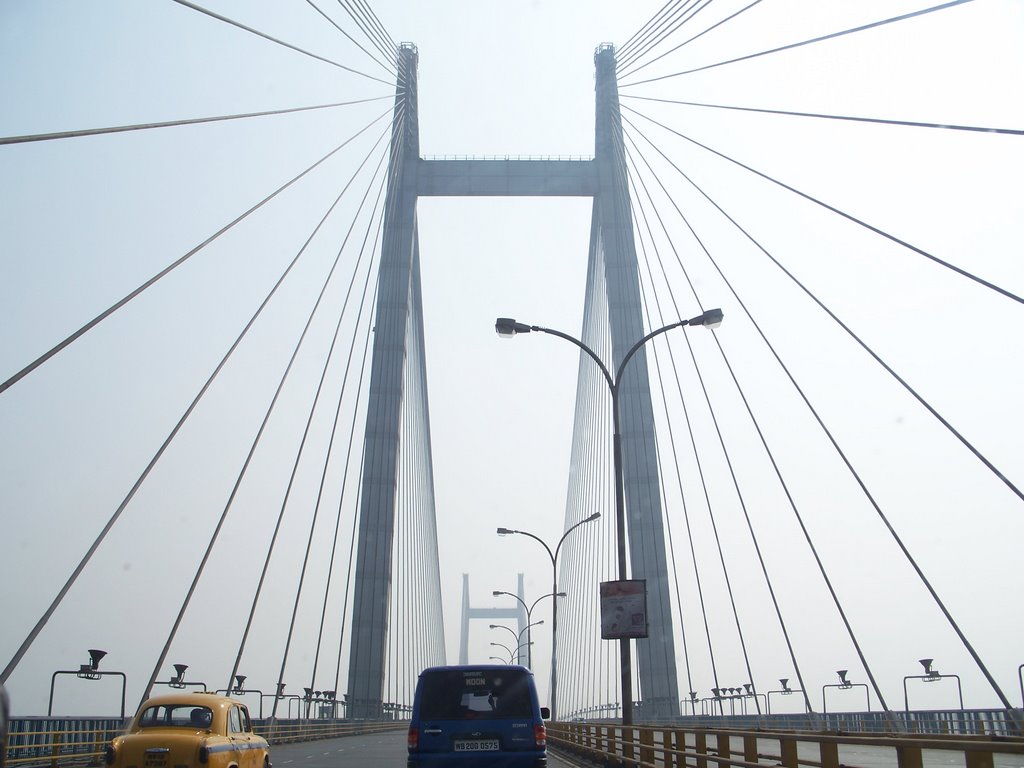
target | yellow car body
[{"x": 190, "y": 730}]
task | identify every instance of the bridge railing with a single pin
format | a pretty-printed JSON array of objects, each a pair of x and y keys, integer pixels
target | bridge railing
[
  {"x": 59, "y": 742},
  {"x": 678, "y": 746},
  {"x": 964, "y": 722}
]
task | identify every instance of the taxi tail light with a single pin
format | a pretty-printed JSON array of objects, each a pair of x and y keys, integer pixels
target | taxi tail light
[
  {"x": 109, "y": 755},
  {"x": 540, "y": 735},
  {"x": 414, "y": 739},
  {"x": 204, "y": 754}
]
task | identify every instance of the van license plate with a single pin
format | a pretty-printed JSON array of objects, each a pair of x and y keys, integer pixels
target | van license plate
[{"x": 477, "y": 745}]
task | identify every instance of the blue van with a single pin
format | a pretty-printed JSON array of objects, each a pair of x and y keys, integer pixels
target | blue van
[{"x": 486, "y": 714}]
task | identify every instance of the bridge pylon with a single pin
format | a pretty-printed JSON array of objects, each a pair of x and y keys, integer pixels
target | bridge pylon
[{"x": 613, "y": 277}]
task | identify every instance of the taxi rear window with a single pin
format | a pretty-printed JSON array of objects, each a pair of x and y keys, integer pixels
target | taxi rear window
[
  {"x": 176, "y": 715},
  {"x": 485, "y": 694}
]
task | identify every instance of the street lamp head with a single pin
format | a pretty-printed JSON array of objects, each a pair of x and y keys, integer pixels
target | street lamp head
[
  {"x": 499, "y": 592},
  {"x": 559, "y": 594},
  {"x": 505, "y": 531},
  {"x": 710, "y": 319},
  {"x": 95, "y": 656},
  {"x": 592, "y": 517},
  {"x": 507, "y": 327}
]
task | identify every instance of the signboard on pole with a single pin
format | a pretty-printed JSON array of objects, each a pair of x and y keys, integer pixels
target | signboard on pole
[{"x": 623, "y": 609}]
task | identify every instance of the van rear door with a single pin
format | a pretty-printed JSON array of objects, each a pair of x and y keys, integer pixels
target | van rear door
[{"x": 486, "y": 710}]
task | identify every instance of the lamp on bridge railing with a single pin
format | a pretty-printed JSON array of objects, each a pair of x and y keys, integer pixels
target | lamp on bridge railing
[
  {"x": 89, "y": 671},
  {"x": 239, "y": 689},
  {"x": 844, "y": 684},
  {"x": 178, "y": 681},
  {"x": 508, "y": 327},
  {"x": 692, "y": 701},
  {"x": 785, "y": 691},
  {"x": 930, "y": 676}
]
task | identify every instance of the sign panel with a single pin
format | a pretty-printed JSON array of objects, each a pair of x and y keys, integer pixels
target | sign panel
[{"x": 623, "y": 609}]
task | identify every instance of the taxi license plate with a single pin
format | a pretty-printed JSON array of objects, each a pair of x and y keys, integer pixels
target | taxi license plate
[{"x": 477, "y": 745}]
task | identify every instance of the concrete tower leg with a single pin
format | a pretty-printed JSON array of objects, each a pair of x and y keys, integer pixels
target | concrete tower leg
[
  {"x": 615, "y": 246},
  {"x": 396, "y": 282}
]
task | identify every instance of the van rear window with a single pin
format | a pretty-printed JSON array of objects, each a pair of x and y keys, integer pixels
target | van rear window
[{"x": 485, "y": 694}]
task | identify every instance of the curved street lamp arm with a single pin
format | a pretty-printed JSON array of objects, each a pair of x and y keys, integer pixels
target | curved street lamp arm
[
  {"x": 507, "y": 629},
  {"x": 712, "y": 318},
  {"x": 633, "y": 350},
  {"x": 591, "y": 353},
  {"x": 542, "y": 543},
  {"x": 507, "y": 649},
  {"x": 549, "y": 594},
  {"x": 517, "y": 597},
  {"x": 592, "y": 517}
]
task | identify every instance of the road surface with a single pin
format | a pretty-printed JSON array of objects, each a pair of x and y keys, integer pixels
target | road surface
[{"x": 376, "y": 749}]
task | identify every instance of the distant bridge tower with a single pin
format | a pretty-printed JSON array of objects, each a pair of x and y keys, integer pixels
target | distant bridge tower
[
  {"x": 398, "y": 361},
  {"x": 518, "y": 613}
]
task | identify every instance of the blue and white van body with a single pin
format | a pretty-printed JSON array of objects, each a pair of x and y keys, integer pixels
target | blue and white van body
[{"x": 477, "y": 715}]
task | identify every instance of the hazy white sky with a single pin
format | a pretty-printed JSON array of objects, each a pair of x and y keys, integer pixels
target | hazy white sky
[{"x": 85, "y": 220}]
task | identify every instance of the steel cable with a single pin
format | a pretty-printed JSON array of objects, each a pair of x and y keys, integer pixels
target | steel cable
[
  {"x": 335, "y": 24},
  {"x": 284, "y": 503},
  {"x": 942, "y": 420},
  {"x": 265, "y": 36},
  {"x": 811, "y": 41},
  {"x": 78, "y": 133},
  {"x": 636, "y": 56},
  {"x": 686, "y": 42},
  {"x": 884, "y": 519},
  {"x": 251, "y": 453},
  {"x": 174, "y": 265},
  {"x": 852, "y": 118},
  {"x": 177, "y": 427}
]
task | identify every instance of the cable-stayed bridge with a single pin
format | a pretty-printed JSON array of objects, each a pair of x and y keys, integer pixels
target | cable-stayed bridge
[{"x": 217, "y": 441}]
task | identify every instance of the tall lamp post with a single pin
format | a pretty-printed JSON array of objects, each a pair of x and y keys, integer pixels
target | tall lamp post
[
  {"x": 519, "y": 636},
  {"x": 507, "y": 327},
  {"x": 554, "y": 603},
  {"x": 529, "y": 622}
]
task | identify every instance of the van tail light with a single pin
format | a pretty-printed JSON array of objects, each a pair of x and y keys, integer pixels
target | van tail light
[
  {"x": 414, "y": 739},
  {"x": 540, "y": 735}
]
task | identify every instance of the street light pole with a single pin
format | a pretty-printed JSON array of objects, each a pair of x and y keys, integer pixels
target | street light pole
[
  {"x": 554, "y": 604},
  {"x": 508, "y": 327},
  {"x": 519, "y": 637},
  {"x": 529, "y": 620}
]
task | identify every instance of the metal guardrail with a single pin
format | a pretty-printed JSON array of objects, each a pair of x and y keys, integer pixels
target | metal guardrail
[
  {"x": 676, "y": 747},
  {"x": 59, "y": 742}
]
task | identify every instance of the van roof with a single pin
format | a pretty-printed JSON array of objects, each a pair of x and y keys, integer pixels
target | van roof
[{"x": 456, "y": 667}]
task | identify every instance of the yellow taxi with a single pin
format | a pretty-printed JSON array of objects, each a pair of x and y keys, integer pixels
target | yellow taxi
[{"x": 190, "y": 730}]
